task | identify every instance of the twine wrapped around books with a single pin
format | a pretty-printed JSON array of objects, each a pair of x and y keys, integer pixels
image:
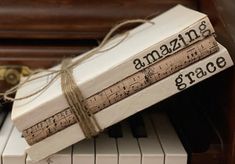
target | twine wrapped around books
[{"x": 71, "y": 91}]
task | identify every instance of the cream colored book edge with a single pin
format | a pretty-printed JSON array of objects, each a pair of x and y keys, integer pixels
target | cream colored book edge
[
  {"x": 165, "y": 37},
  {"x": 155, "y": 93}
]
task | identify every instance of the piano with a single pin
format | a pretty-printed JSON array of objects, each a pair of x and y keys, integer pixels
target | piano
[
  {"x": 168, "y": 132},
  {"x": 40, "y": 34},
  {"x": 146, "y": 138}
]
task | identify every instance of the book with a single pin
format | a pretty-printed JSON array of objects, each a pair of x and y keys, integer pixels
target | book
[
  {"x": 122, "y": 89},
  {"x": 111, "y": 62},
  {"x": 167, "y": 87},
  {"x": 133, "y": 55}
]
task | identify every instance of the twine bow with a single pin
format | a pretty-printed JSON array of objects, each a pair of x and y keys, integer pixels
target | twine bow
[{"x": 71, "y": 91}]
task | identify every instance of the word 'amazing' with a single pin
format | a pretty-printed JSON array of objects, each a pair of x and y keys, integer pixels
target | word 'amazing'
[{"x": 174, "y": 45}]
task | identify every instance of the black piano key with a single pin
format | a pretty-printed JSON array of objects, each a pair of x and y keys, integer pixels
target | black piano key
[
  {"x": 191, "y": 123},
  {"x": 2, "y": 118},
  {"x": 3, "y": 114},
  {"x": 137, "y": 126},
  {"x": 115, "y": 131}
]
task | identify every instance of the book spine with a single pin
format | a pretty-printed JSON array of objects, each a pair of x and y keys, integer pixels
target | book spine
[
  {"x": 137, "y": 102},
  {"x": 173, "y": 44},
  {"x": 124, "y": 88}
]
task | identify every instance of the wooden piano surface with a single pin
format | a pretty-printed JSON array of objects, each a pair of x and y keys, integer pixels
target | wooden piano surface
[
  {"x": 40, "y": 34},
  {"x": 53, "y": 19}
]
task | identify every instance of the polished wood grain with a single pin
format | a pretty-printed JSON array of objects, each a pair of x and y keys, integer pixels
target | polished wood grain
[{"x": 74, "y": 19}]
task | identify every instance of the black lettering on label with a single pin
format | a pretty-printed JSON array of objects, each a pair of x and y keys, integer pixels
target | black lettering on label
[
  {"x": 138, "y": 64},
  {"x": 192, "y": 34},
  {"x": 152, "y": 57},
  {"x": 182, "y": 39},
  {"x": 189, "y": 76},
  {"x": 176, "y": 45},
  {"x": 203, "y": 29},
  {"x": 165, "y": 50},
  {"x": 221, "y": 62},
  {"x": 179, "y": 82},
  {"x": 200, "y": 73},
  {"x": 210, "y": 67}
]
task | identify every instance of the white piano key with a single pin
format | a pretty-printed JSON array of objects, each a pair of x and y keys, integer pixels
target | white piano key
[
  {"x": 129, "y": 152},
  {"x": 62, "y": 157},
  {"x": 14, "y": 152},
  {"x": 150, "y": 146},
  {"x": 106, "y": 149},
  {"x": 172, "y": 147},
  {"x": 5, "y": 133},
  {"x": 84, "y": 152}
]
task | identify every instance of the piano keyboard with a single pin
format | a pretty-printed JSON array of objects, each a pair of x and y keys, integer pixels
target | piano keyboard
[{"x": 142, "y": 139}]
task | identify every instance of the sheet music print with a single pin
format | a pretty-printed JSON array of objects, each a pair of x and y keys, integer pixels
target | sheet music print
[
  {"x": 124, "y": 88},
  {"x": 49, "y": 126}
]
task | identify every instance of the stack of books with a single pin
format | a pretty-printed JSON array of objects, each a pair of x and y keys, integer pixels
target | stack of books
[{"x": 157, "y": 60}]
